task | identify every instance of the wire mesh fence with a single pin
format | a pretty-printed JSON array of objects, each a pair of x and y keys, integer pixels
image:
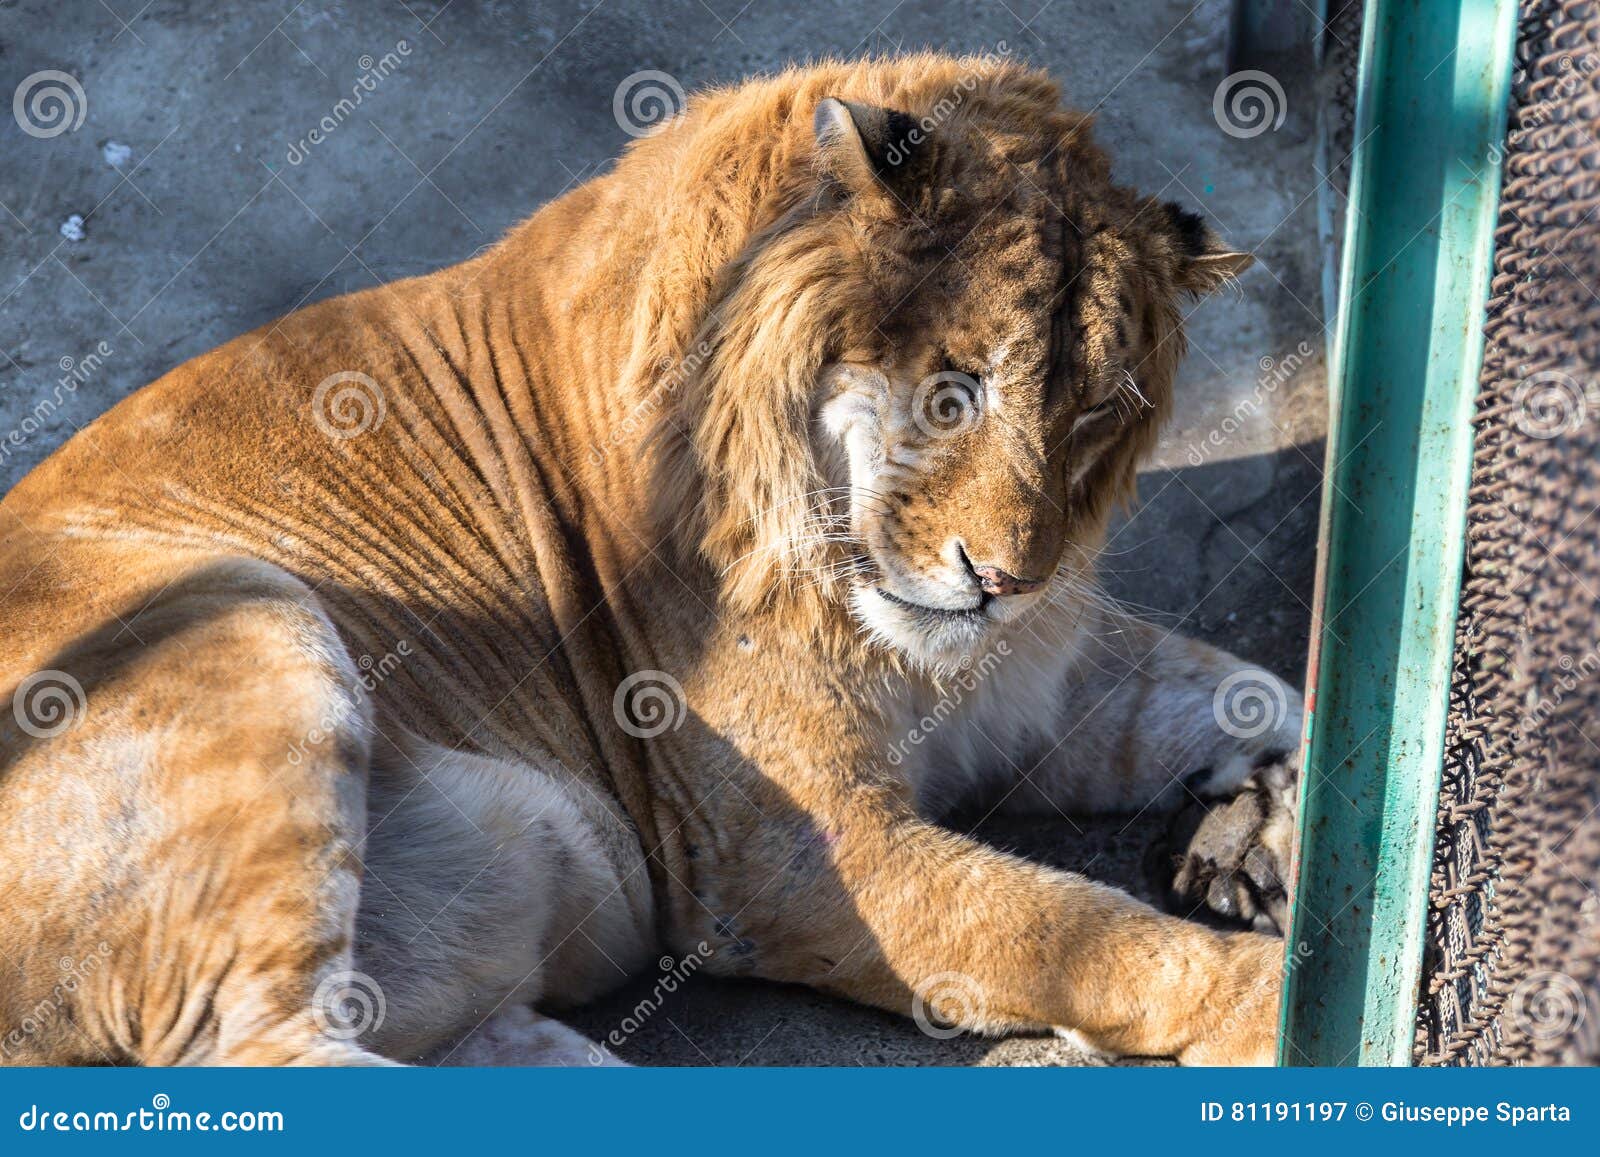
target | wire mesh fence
[{"x": 1512, "y": 970}]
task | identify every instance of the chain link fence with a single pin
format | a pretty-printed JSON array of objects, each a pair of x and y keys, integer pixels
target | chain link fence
[{"x": 1512, "y": 971}]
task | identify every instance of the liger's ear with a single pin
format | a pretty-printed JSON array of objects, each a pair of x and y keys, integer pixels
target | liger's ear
[
  {"x": 1204, "y": 262},
  {"x": 870, "y": 149}
]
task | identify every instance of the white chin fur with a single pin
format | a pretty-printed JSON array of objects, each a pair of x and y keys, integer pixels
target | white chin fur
[{"x": 933, "y": 645}]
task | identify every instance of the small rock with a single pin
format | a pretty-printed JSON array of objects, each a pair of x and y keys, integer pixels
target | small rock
[
  {"x": 72, "y": 228},
  {"x": 116, "y": 154}
]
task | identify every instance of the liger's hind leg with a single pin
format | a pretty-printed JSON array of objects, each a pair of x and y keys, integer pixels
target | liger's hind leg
[{"x": 212, "y": 792}]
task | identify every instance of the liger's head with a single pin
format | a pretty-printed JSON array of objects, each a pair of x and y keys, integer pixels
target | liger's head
[{"x": 932, "y": 376}]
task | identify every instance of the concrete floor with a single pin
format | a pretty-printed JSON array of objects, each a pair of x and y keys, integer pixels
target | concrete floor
[{"x": 185, "y": 210}]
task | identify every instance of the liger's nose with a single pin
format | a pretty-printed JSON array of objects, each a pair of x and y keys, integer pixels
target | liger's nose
[{"x": 995, "y": 581}]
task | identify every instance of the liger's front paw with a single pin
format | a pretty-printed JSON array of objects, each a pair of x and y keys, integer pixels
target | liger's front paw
[{"x": 1231, "y": 857}]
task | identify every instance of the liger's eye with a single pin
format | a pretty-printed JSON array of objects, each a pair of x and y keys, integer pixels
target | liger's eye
[
  {"x": 1099, "y": 413},
  {"x": 1125, "y": 400},
  {"x": 947, "y": 402}
]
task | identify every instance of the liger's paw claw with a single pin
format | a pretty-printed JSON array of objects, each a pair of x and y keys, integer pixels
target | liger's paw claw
[{"x": 1230, "y": 858}]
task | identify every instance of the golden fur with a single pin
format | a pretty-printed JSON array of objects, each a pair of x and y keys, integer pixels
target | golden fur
[{"x": 367, "y": 621}]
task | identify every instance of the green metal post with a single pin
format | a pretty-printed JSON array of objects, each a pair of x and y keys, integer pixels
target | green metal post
[{"x": 1430, "y": 117}]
